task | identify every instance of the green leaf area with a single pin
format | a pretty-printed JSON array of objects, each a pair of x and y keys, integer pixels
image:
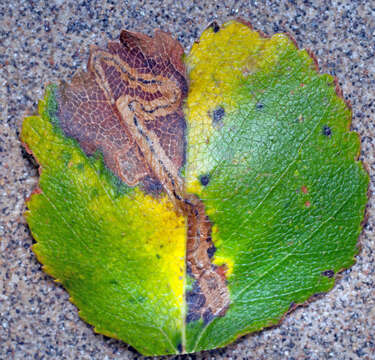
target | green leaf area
[
  {"x": 118, "y": 252},
  {"x": 282, "y": 188}
]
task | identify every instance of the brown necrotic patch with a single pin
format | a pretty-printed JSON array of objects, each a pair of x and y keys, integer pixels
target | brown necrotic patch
[
  {"x": 139, "y": 77},
  {"x": 128, "y": 106},
  {"x": 210, "y": 295}
]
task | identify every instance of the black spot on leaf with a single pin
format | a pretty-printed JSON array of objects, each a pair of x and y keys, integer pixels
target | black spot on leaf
[
  {"x": 205, "y": 179},
  {"x": 215, "y": 27},
  {"x": 217, "y": 116},
  {"x": 192, "y": 316},
  {"x": 259, "y": 105},
  {"x": 152, "y": 186},
  {"x": 178, "y": 197},
  {"x": 194, "y": 298},
  {"x": 208, "y": 316},
  {"x": 328, "y": 273},
  {"x": 188, "y": 270},
  {"x": 327, "y": 131},
  {"x": 211, "y": 251}
]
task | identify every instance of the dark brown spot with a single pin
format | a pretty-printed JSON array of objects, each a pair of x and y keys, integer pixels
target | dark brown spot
[
  {"x": 152, "y": 186},
  {"x": 192, "y": 316},
  {"x": 215, "y": 26},
  {"x": 194, "y": 298},
  {"x": 327, "y": 131},
  {"x": 328, "y": 273},
  {"x": 207, "y": 316},
  {"x": 205, "y": 179},
  {"x": 217, "y": 116},
  {"x": 188, "y": 270},
  {"x": 211, "y": 251}
]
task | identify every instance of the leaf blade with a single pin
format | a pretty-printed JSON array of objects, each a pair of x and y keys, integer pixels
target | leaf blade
[
  {"x": 263, "y": 109},
  {"x": 86, "y": 235}
]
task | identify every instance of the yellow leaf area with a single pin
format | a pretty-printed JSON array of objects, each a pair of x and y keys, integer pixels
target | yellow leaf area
[
  {"x": 217, "y": 66},
  {"x": 159, "y": 233},
  {"x": 78, "y": 220}
]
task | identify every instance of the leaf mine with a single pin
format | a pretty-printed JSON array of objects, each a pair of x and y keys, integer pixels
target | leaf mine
[
  {"x": 185, "y": 201},
  {"x": 129, "y": 106}
]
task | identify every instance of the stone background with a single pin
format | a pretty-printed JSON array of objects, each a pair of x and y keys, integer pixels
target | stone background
[{"x": 47, "y": 41}]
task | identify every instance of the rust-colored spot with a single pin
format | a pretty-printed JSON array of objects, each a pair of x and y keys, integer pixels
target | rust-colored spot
[
  {"x": 304, "y": 189},
  {"x": 37, "y": 190},
  {"x": 222, "y": 271},
  {"x": 307, "y": 204}
]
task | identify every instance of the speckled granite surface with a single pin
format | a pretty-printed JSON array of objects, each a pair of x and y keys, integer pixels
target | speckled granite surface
[{"x": 46, "y": 41}]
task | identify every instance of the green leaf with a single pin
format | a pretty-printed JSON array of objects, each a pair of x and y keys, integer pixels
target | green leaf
[{"x": 173, "y": 255}]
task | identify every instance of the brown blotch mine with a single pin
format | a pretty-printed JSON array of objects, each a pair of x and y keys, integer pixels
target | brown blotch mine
[
  {"x": 128, "y": 106},
  {"x": 150, "y": 74},
  {"x": 210, "y": 295},
  {"x": 90, "y": 148}
]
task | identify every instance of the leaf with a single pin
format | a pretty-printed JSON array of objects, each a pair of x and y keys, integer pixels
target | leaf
[{"x": 177, "y": 253}]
